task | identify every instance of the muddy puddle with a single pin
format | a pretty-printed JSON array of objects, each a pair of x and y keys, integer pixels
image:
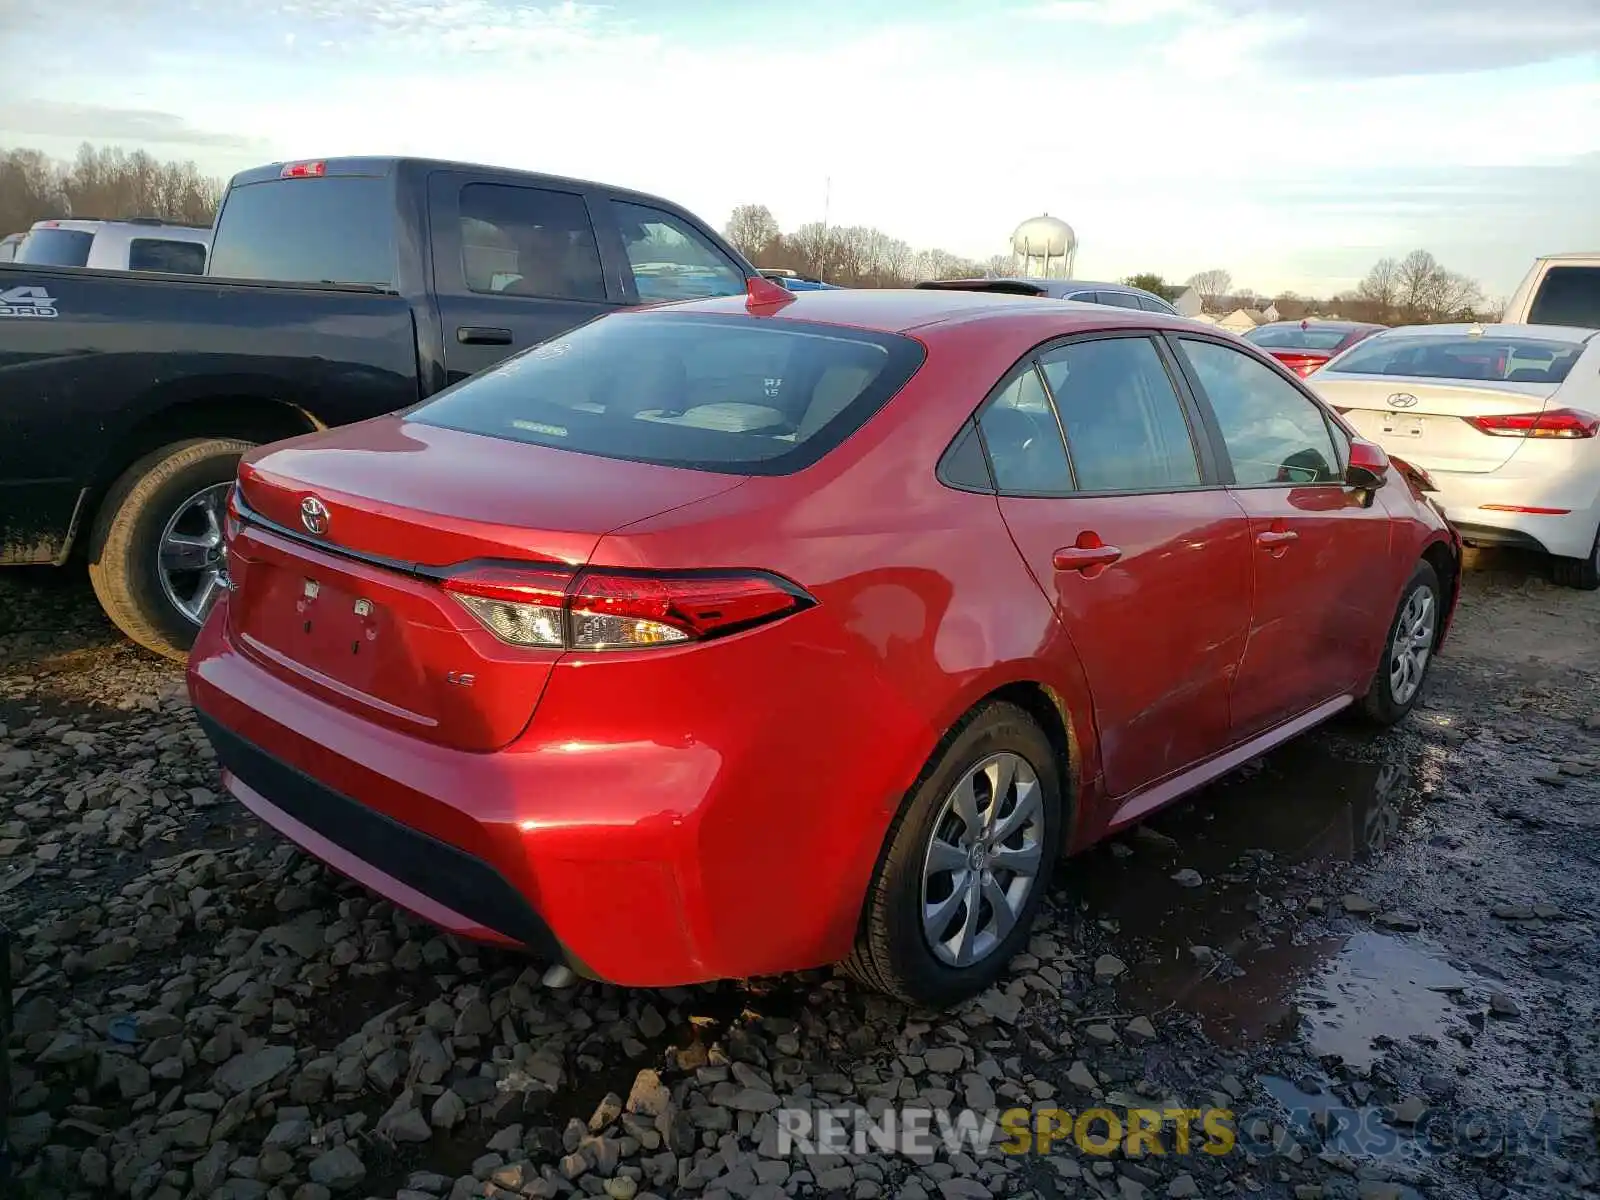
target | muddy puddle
[
  {"x": 1233, "y": 905},
  {"x": 1234, "y": 946},
  {"x": 1231, "y": 908}
]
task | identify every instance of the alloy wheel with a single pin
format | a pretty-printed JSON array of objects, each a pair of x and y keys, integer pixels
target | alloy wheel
[
  {"x": 192, "y": 566},
  {"x": 983, "y": 859},
  {"x": 1412, "y": 645}
]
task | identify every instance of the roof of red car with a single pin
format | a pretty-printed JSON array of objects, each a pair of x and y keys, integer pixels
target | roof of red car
[{"x": 899, "y": 310}]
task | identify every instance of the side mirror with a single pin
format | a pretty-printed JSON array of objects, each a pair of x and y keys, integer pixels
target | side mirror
[{"x": 1369, "y": 466}]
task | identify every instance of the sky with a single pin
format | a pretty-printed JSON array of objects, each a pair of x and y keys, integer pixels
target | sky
[{"x": 1291, "y": 142}]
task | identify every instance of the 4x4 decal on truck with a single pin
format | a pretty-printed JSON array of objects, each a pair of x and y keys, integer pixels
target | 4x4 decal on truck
[{"x": 27, "y": 301}]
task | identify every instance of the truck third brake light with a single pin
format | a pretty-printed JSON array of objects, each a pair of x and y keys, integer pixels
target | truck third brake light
[
  {"x": 304, "y": 170},
  {"x": 553, "y": 608}
]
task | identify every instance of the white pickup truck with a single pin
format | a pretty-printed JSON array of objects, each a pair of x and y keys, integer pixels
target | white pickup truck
[{"x": 1561, "y": 289}]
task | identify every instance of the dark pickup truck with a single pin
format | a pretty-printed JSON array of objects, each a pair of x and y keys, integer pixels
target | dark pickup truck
[{"x": 336, "y": 290}]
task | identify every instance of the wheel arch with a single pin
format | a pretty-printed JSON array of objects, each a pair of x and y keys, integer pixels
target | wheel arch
[
  {"x": 1445, "y": 560},
  {"x": 247, "y": 416}
]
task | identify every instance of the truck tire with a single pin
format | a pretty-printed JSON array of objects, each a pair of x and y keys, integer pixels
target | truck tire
[{"x": 163, "y": 511}]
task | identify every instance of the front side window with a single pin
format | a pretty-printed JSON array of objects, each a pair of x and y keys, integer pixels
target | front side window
[
  {"x": 1023, "y": 439},
  {"x": 1124, "y": 422},
  {"x": 524, "y": 241},
  {"x": 1272, "y": 432},
  {"x": 672, "y": 260},
  {"x": 731, "y": 394},
  {"x": 163, "y": 254}
]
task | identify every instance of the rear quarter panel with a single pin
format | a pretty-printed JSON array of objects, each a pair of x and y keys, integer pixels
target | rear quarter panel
[{"x": 122, "y": 347}]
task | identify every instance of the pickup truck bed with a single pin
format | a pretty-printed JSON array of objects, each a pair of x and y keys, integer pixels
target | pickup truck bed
[{"x": 266, "y": 355}]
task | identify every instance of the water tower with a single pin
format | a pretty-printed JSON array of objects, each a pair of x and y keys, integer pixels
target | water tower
[{"x": 1045, "y": 248}]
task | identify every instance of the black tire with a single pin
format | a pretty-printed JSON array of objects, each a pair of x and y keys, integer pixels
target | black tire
[
  {"x": 1379, "y": 706},
  {"x": 1580, "y": 573},
  {"x": 892, "y": 954},
  {"x": 124, "y": 542}
]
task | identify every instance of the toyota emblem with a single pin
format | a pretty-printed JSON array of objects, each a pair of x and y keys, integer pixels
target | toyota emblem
[
  {"x": 1402, "y": 400},
  {"x": 314, "y": 515}
]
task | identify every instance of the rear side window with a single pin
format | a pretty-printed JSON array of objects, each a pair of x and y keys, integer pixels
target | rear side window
[
  {"x": 333, "y": 229},
  {"x": 1454, "y": 356},
  {"x": 529, "y": 242},
  {"x": 162, "y": 254},
  {"x": 1124, "y": 422},
  {"x": 672, "y": 260},
  {"x": 1120, "y": 299},
  {"x": 1273, "y": 433},
  {"x": 753, "y": 397},
  {"x": 1023, "y": 439},
  {"x": 1568, "y": 296},
  {"x": 55, "y": 247},
  {"x": 1151, "y": 304}
]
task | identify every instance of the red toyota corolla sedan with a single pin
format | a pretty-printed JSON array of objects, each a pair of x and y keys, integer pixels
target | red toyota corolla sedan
[{"x": 746, "y": 635}]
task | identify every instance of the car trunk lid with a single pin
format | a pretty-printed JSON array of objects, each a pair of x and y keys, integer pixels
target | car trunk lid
[
  {"x": 344, "y": 597},
  {"x": 1428, "y": 422}
]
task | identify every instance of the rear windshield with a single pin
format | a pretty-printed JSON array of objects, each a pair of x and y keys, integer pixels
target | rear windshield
[
  {"x": 55, "y": 247},
  {"x": 1292, "y": 337},
  {"x": 746, "y": 396},
  {"x": 1501, "y": 359},
  {"x": 163, "y": 254},
  {"x": 1568, "y": 296},
  {"x": 334, "y": 229}
]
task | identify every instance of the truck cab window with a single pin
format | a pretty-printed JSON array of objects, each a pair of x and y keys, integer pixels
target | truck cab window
[
  {"x": 671, "y": 260},
  {"x": 521, "y": 241}
]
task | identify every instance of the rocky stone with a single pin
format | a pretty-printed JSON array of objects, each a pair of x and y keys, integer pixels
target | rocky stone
[
  {"x": 1108, "y": 967},
  {"x": 339, "y": 1169}
]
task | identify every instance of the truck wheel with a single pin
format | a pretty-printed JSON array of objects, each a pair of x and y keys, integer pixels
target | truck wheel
[{"x": 155, "y": 552}]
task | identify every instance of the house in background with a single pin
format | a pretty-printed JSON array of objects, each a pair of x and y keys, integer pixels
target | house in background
[
  {"x": 1243, "y": 320},
  {"x": 1188, "y": 303}
]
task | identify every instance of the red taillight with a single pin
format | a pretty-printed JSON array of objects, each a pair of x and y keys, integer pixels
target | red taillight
[
  {"x": 1302, "y": 364},
  {"x": 232, "y": 519},
  {"x": 615, "y": 610},
  {"x": 304, "y": 170},
  {"x": 1555, "y": 423}
]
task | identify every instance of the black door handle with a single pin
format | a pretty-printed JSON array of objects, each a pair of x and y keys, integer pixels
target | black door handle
[{"x": 483, "y": 335}]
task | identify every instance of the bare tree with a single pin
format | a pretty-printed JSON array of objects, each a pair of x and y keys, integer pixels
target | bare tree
[
  {"x": 1211, "y": 285},
  {"x": 102, "y": 183},
  {"x": 1001, "y": 266},
  {"x": 752, "y": 229}
]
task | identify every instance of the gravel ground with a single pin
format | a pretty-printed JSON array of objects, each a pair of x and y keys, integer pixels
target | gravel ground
[{"x": 1394, "y": 934}]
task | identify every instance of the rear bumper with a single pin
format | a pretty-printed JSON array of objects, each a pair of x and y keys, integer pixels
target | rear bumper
[
  {"x": 1571, "y": 534},
  {"x": 450, "y": 887},
  {"x": 647, "y": 830}
]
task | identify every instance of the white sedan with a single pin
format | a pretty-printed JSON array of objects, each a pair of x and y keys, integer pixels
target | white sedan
[{"x": 1502, "y": 417}]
